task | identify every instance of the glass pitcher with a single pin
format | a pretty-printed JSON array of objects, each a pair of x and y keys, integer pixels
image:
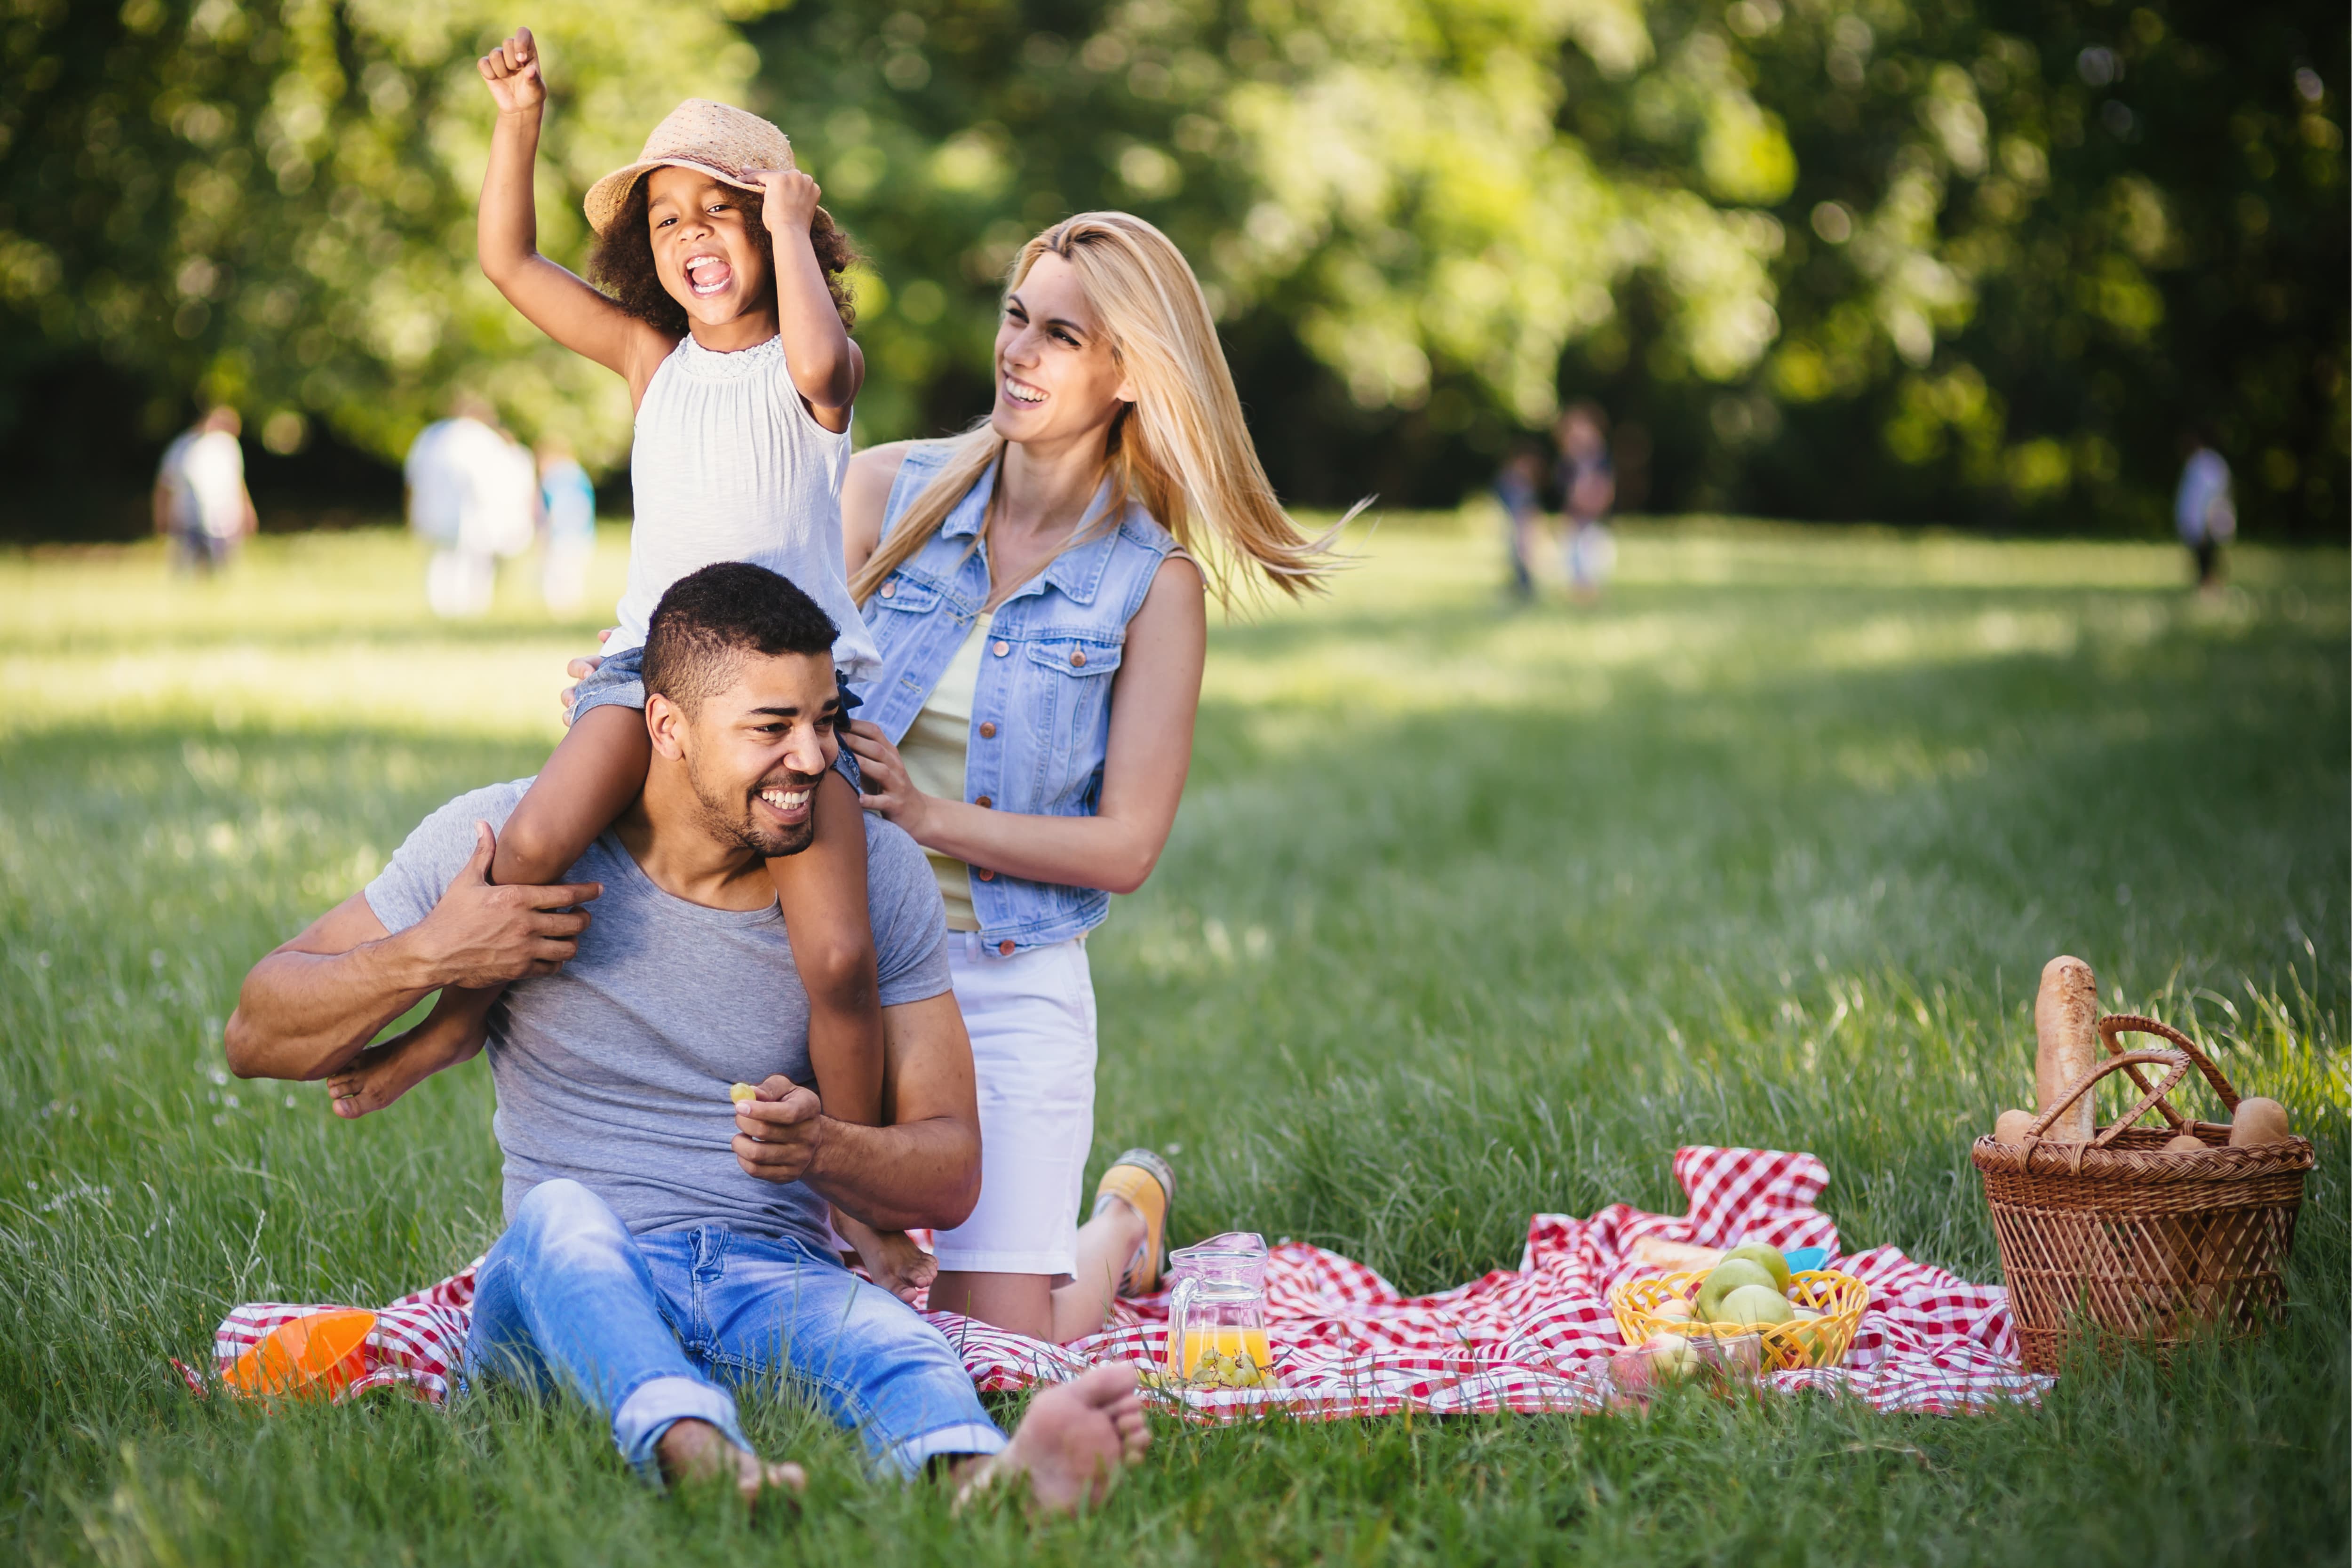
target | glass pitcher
[{"x": 1216, "y": 1314}]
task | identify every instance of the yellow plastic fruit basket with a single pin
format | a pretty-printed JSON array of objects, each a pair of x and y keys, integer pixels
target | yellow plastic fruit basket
[{"x": 1812, "y": 1341}]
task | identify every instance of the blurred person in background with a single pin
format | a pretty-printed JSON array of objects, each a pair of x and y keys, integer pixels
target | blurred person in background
[
  {"x": 201, "y": 503},
  {"x": 473, "y": 495},
  {"x": 2201, "y": 508},
  {"x": 567, "y": 508},
  {"x": 502, "y": 517},
  {"x": 1519, "y": 491},
  {"x": 1588, "y": 488}
]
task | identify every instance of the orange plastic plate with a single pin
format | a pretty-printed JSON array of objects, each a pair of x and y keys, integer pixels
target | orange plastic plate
[{"x": 314, "y": 1357}]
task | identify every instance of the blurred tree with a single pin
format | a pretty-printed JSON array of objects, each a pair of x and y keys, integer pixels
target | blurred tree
[
  {"x": 270, "y": 202},
  {"x": 2027, "y": 246},
  {"x": 1382, "y": 185},
  {"x": 1833, "y": 258},
  {"x": 1823, "y": 257}
]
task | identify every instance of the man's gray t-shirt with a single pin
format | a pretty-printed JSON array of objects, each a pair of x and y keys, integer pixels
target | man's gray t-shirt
[{"x": 614, "y": 1070}]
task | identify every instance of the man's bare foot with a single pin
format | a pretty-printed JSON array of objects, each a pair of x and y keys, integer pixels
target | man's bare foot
[
  {"x": 697, "y": 1451},
  {"x": 450, "y": 1033},
  {"x": 1072, "y": 1442},
  {"x": 891, "y": 1258}
]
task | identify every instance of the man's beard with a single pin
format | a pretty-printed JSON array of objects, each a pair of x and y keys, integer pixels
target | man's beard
[{"x": 738, "y": 821}]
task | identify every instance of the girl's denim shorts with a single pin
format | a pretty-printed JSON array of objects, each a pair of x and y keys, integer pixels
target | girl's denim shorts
[{"x": 619, "y": 681}]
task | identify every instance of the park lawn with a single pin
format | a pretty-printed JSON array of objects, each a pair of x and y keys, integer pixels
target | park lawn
[{"x": 1471, "y": 911}]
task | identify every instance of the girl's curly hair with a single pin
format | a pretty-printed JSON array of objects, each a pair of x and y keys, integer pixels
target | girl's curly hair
[{"x": 623, "y": 261}]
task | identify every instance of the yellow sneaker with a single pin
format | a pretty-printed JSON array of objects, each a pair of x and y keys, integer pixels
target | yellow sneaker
[{"x": 1142, "y": 1180}]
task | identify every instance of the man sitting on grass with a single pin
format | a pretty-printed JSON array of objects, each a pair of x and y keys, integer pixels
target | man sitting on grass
[{"x": 661, "y": 1240}]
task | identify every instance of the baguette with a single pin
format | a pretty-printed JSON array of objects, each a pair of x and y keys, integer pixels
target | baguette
[
  {"x": 1671, "y": 1257},
  {"x": 2065, "y": 1027}
]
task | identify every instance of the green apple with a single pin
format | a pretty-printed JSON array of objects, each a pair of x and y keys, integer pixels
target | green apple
[
  {"x": 1767, "y": 1258},
  {"x": 1752, "y": 1306},
  {"x": 1726, "y": 1277},
  {"x": 1672, "y": 1358}
]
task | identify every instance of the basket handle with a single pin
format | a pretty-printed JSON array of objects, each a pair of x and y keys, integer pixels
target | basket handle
[
  {"x": 2176, "y": 1068},
  {"x": 2116, "y": 1023}
]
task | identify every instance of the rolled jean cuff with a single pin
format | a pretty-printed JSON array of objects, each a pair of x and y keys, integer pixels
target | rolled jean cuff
[
  {"x": 981, "y": 1437},
  {"x": 617, "y": 682},
  {"x": 655, "y": 1404}
]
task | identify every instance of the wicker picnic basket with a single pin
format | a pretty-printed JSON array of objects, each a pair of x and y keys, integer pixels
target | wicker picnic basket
[{"x": 2158, "y": 1246}]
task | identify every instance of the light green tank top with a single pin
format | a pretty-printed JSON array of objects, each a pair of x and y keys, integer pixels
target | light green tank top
[{"x": 934, "y": 749}]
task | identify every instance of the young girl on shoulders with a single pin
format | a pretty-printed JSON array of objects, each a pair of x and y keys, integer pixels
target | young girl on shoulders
[{"x": 726, "y": 314}]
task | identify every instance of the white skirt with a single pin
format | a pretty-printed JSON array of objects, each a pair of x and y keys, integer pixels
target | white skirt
[{"x": 1031, "y": 1021}]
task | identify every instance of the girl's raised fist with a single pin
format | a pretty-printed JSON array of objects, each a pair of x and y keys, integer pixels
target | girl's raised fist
[{"x": 512, "y": 71}]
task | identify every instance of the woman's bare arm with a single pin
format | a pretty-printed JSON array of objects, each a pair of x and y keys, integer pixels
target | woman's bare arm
[
  {"x": 551, "y": 299},
  {"x": 865, "y": 494},
  {"x": 1156, "y": 695}
]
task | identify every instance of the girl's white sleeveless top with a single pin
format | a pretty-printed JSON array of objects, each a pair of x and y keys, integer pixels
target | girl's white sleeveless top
[{"x": 730, "y": 465}]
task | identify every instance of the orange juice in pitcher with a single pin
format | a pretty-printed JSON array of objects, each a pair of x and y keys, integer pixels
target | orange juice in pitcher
[
  {"x": 1218, "y": 1345},
  {"x": 1216, "y": 1314}
]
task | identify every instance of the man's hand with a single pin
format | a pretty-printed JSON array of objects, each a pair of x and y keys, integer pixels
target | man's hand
[
  {"x": 779, "y": 1131},
  {"x": 480, "y": 935},
  {"x": 512, "y": 71},
  {"x": 787, "y": 200}
]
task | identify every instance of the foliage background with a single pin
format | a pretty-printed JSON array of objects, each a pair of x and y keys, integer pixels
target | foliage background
[{"x": 1974, "y": 261}]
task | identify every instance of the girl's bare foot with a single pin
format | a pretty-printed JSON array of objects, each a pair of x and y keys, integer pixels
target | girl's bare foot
[
  {"x": 452, "y": 1033},
  {"x": 1073, "y": 1443},
  {"x": 697, "y": 1451},
  {"x": 891, "y": 1258},
  {"x": 382, "y": 1074}
]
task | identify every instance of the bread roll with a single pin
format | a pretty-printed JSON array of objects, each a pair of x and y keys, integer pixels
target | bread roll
[
  {"x": 2065, "y": 1028},
  {"x": 2258, "y": 1122},
  {"x": 1656, "y": 1252},
  {"x": 2186, "y": 1143},
  {"x": 2010, "y": 1128}
]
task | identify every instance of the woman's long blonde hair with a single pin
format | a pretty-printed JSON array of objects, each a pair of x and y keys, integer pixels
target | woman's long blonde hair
[{"x": 1181, "y": 448}]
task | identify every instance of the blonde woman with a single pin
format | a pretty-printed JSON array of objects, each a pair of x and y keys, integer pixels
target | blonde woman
[{"x": 1036, "y": 588}]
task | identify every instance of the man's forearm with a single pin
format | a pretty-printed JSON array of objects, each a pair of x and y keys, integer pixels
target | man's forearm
[
  {"x": 305, "y": 1015},
  {"x": 916, "y": 1174}
]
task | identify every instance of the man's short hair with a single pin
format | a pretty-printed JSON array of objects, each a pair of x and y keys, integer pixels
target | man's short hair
[{"x": 710, "y": 620}]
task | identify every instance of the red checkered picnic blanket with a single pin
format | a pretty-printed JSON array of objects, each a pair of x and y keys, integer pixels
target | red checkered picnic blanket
[{"x": 1346, "y": 1343}]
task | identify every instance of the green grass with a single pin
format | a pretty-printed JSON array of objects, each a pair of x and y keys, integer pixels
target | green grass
[{"x": 1469, "y": 912}]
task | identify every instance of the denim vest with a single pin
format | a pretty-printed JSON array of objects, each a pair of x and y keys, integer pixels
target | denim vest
[{"x": 1044, "y": 682}]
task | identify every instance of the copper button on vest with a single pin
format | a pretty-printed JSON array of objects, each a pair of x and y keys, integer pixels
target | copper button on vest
[
  {"x": 1002, "y": 648},
  {"x": 988, "y": 731},
  {"x": 1078, "y": 656},
  {"x": 1005, "y": 947},
  {"x": 985, "y": 876},
  {"x": 983, "y": 801},
  {"x": 889, "y": 590}
]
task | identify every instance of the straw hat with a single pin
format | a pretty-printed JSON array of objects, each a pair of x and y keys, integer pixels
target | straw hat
[{"x": 716, "y": 139}]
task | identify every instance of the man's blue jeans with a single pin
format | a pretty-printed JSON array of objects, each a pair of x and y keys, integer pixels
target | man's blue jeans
[{"x": 646, "y": 1328}]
